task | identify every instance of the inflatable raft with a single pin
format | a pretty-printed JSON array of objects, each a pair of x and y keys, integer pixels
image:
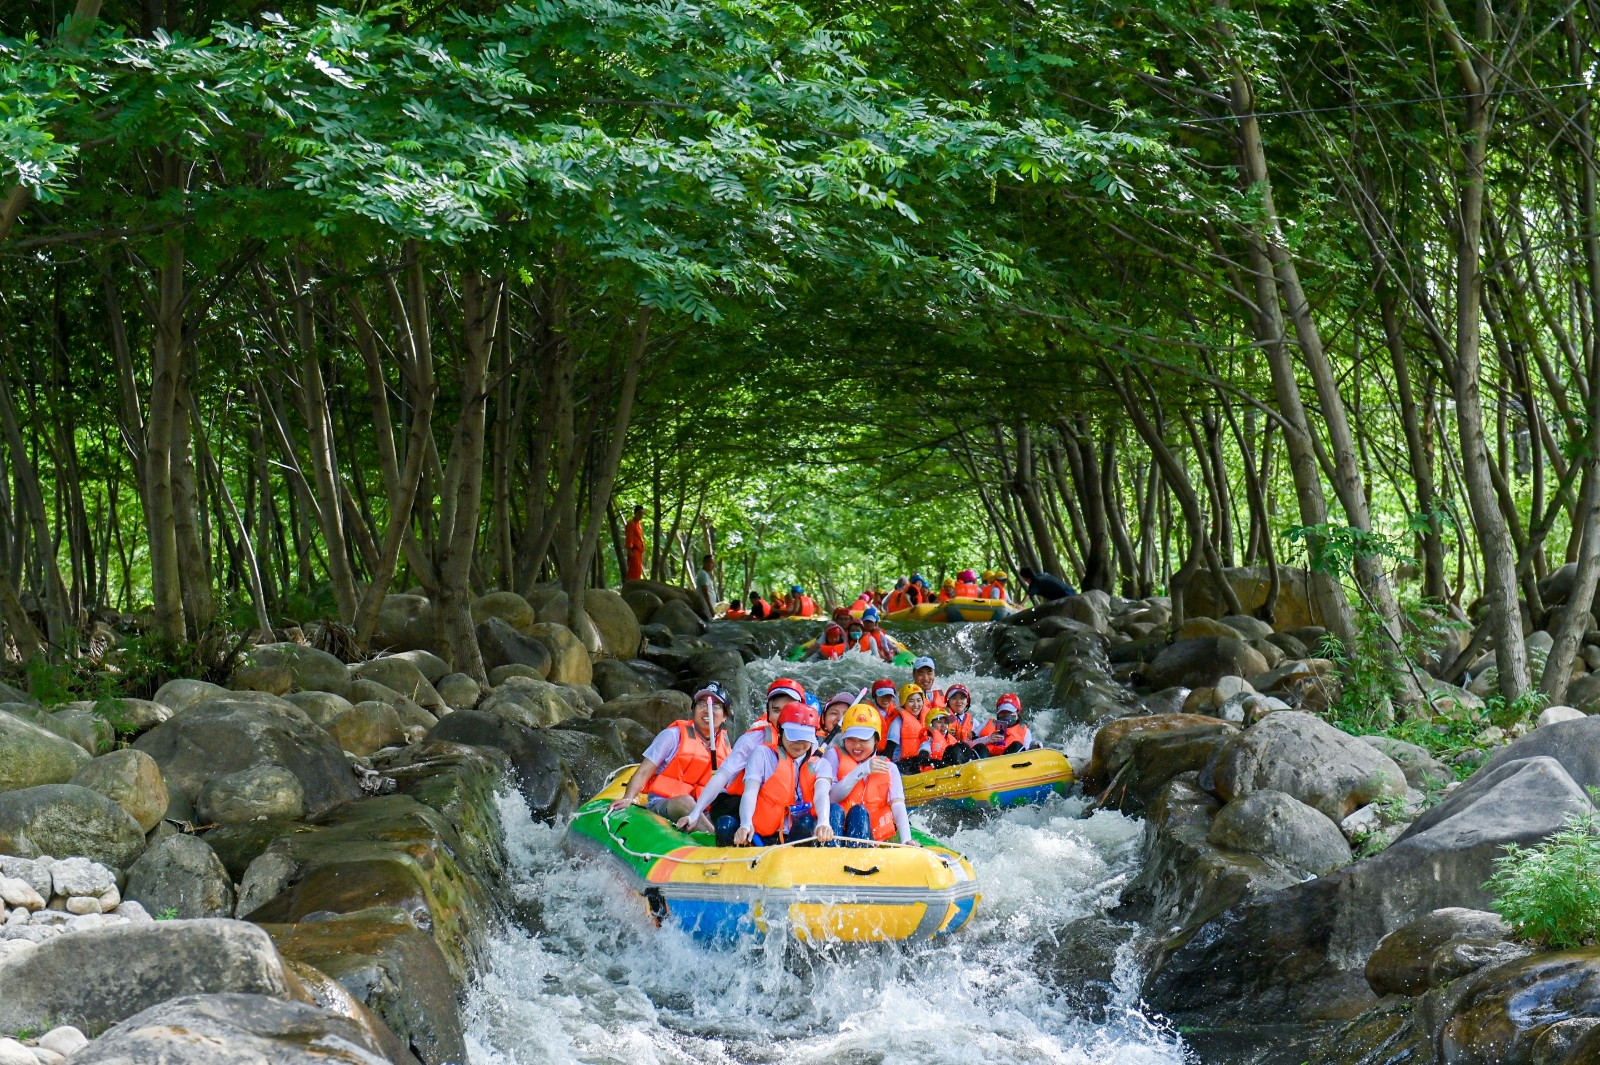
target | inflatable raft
[
  {"x": 955, "y": 610},
  {"x": 902, "y": 655},
  {"x": 849, "y": 894},
  {"x": 1001, "y": 781}
]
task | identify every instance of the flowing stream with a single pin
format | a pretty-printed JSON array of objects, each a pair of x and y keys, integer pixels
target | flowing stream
[{"x": 1040, "y": 975}]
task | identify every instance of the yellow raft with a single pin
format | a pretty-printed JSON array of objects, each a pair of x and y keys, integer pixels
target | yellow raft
[
  {"x": 1000, "y": 781},
  {"x": 849, "y": 894},
  {"x": 955, "y": 610}
]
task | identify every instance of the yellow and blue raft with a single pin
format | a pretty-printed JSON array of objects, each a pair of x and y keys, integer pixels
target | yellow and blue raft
[
  {"x": 999, "y": 781},
  {"x": 850, "y": 894},
  {"x": 955, "y": 610}
]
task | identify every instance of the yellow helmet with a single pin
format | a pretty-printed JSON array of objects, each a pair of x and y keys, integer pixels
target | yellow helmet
[
  {"x": 987, "y": 574},
  {"x": 1000, "y": 575},
  {"x": 949, "y": 582},
  {"x": 908, "y": 690},
  {"x": 863, "y": 715}
]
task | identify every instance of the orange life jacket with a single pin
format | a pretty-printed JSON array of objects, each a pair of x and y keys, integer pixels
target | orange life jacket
[
  {"x": 736, "y": 785},
  {"x": 965, "y": 590},
  {"x": 1017, "y": 733},
  {"x": 876, "y": 643},
  {"x": 873, "y": 792},
  {"x": 736, "y": 615},
  {"x": 938, "y": 743},
  {"x": 691, "y": 767},
  {"x": 932, "y": 699},
  {"x": 944, "y": 596},
  {"x": 961, "y": 726},
  {"x": 912, "y": 733},
  {"x": 898, "y": 600},
  {"x": 992, "y": 591},
  {"x": 885, "y": 716},
  {"x": 787, "y": 786},
  {"x": 832, "y": 650}
]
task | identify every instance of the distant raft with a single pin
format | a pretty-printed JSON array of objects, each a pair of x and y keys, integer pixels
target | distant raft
[
  {"x": 902, "y": 654},
  {"x": 846, "y": 894},
  {"x": 955, "y": 610},
  {"x": 1000, "y": 781}
]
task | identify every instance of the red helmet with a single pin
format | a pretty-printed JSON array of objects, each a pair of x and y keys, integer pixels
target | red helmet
[
  {"x": 786, "y": 686},
  {"x": 1009, "y": 699},
  {"x": 884, "y": 686},
  {"x": 799, "y": 714},
  {"x": 954, "y": 688}
]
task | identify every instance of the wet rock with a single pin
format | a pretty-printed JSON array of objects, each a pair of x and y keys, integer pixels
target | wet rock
[
  {"x": 31, "y": 755},
  {"x": 1115, "y": 742},
  {"x": 94, "y": 979},
  {"x": 541, "y": 776},
  {"x": 613, "y": 678},
  {"x": 390, "y": 966},
  {"x": 309, "y": 669},
  {"x": 461, "y": 784},
  {"x": 368, "y": 727},
  {"x": 132, "y": 780},
  {"x": 211, "y": 1029},
  {"x": 655, "y": 711},
  {"x": 1200, "y": 663},
  {"x": 1502, "y": 1011},
  {"x": 240, "y": 844},
  {"x": 502, "y": 645},
  {"x": 1309, "y": 759},
  {"x": 1083, "y": 688},
  {"x": 65, "y": 819},
  {"x": 261, "y": 792},
  {"x": 527, "y": 701},
  {"x": 181, "y": 874},
  {"x": 1422, "y": 769},
  {"x": 226, "y": 735},
  {"x": 1300, "y": 954},
  {"x": 1165, "y": 701},
  {"x": 509, "y": 607},
  {"x": 402, "y": 677},
  {"x": 679, "y": 618},
  {"x": 1275, "y": 825},
  {"x": 459, "y": 691},
  {"x": 321, "y": 707},
  {"x": 1403, "y": 962},
  {"x": 615, "y": 620}
]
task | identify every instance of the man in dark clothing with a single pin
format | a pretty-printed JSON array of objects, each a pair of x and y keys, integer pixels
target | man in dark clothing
[{"x": 1045, "y": 586}]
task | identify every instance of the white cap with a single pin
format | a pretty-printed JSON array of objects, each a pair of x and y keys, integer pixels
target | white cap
[
  {"x": 860, "y": 732},
  {"x": 922, "y": 663},
  {"x": 800, "y": 732}
]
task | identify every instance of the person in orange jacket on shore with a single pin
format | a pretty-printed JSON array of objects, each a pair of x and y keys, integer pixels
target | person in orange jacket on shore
[
  {"x": 633, "y": 546},
  {"x": 681, "y": 760}
]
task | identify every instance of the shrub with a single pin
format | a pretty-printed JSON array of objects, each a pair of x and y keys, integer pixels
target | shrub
[{"x": 1550, "y": 893}]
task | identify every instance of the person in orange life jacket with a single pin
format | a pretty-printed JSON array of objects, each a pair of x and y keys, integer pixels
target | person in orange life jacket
[
  {"x": 866, "y": 787},
  {"x": 883, "y": 697},
  {"x": 999, "y": 582},
  {"x": 736, "y": 611},
  {"x": 1006, "y": 734},
  {"x": 966, "y": 586},
  {"x": 788, "y": 788},
  {"x": 908, "y": 736},
  {"x": 799, "y": 604},
  {"x": 947, "y": 590},
  {"x": 940, "y": 741},
  {"x": 760, "y": 609},
  {"x": 681, "y": 759},
  {"x": 898, "y": 599},
  {"x": 853, "y": 631},
  {"x": 873, "y": 639},
  {"x": 961, "y": 727},
  {"x": 922, "y": 676},
  {"x": 917, "y": 590},
  {"x": 830, "y": 646},
  {"x": 989, "y": 589},
  {"x": 722, "y": 793},
  {"x": 833, "y": 713}
]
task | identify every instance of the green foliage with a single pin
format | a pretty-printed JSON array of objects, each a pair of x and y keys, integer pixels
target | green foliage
[
  {"x": 1550, "y": 893},
  {"x": 168, "y": 914},
  {"x": 1334, "y": 549}
]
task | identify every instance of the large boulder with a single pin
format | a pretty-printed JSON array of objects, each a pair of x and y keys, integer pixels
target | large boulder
[
  {"x": 64, "y": 819},
  {"x": 263, "y": 792},
  {"x": 226, "y": 735},
  {"x": 655, "y": 710},
  {"x": 406, "y": 623},
  {"x": 1200, "y": 663},
  {"x": 1501, "y": 1014},
  {"x": 678, "y": 617},
  {"x": 528, "y": 701},
  {"x": 367, "y": 728},
  {"x": 179, "y": 695},
  {"x": 1275, "y": 825},
  {"x": 132, "y": 780},
  {"x": 128, "y": 717},
  {"x": 459, "y": 691},
  {"x": 613, "y": 678},
  {"x": 508, "y": 607},
  {"x": 31, "y": 755},
  {"x": 309, "y": 669},
  {"x": 1115, "y": 743},
  {"x": 542, "y": 778},
  {"x": 1295, "y": 606},
  {"x": 321, "y": 707},
  {"x": 1309, "y": 759},
  {"x": 96, "y": 978},
  {"x": 1408, "y": 960},
  {"x": 502, "y": 645},
  {"x": 569, "y": 659},
  {"x": 403, "y": 677},
  {"x": 1299, "y": 954},
  {"x": 615, "y": 620},
  {"x": 183, "y": 876},
  {"x": 1422, "y": 769},
  {"x": 236, "y": 1028}
]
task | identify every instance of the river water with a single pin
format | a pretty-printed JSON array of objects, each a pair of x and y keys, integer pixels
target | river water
[{"x": 1041, "y": 975}]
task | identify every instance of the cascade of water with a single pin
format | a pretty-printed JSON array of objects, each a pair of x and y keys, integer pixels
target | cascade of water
[{"x": 1041, "y": 975}]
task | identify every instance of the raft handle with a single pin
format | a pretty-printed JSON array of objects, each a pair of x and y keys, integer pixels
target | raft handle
[
  {"x": 861, "y": 872},
  {"x": 1021, "y": 765}
]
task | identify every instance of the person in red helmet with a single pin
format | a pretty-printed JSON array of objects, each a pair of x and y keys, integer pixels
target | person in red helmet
[
  {"x": 786, "y": 795},
  {"x": 830, "y": 646},
  {"x": 966, "y": 585},
  {"x": 719, "y": 800},
  {"x": 1005, "y": 734},
  {"x": 884, "y": 695},
  {"x": 682, "y": 758}
]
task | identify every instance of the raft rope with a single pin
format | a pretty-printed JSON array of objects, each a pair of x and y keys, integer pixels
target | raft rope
[{"x": 762, "y": 852}]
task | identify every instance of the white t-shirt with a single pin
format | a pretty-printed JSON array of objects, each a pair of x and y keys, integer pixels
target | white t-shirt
[{"x": 707, "y": 586}]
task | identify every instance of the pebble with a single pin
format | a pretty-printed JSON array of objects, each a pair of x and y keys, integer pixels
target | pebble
[
  {"x": 82, "y": 905},
  {"x": 132, "y": 911},
  {"x": 35, "y": 871},
  {"x": 18, "y": 916},
  {"x": 65, "y": 1040},
  {"x": 110, "y": 899},
  {"x": 15, "y": 891},
  {"x": 14, "y": 1053},
  {"x": 80, "y": 876}
]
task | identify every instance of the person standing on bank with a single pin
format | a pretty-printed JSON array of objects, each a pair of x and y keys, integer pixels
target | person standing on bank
[
  {"x": 634, "y": 546},
  {"x": 705, "y": 582}
]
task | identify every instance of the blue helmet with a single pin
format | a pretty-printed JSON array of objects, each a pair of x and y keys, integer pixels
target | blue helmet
[
  {"x": 796, "y": 589},
  {"x": 870, "y": 614},
  {"x": 811, "y": 701}
]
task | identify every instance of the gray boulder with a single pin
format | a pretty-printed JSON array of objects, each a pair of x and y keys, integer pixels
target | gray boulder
[
  {"x": 321, "y": 707},
  {"x": 1422, "y": 769},
  {"x": 96, "y": 978},
  {"x": 309, "y": 669},
  {"x": 132, "y": 780},
  {"x": 613, "y": 678},
  {"x": 503, "y": 645},
  {"x": 509, "y": 607},
  {"x": 64, "y": 819},
  {"x": 403, "y": 677},
  {"x": 31, "y": 755},
  {"x": 459, "y": 691},
  {"x": 128, "y": 717},
  {"x": 679, "y": 617},
  {"x": 615, "y": 621},
  {"x": 541, "y": 775},
  {"x": 655, "y": 711},
  {"x": 1280, "y": 826},
  {"x": 368, "y": 727},
  {"x": 263, "y": 791},
  {"x": 1428, "y": 951},
  {"x": 180, "y": 695},
  {"x": 405, "y": 623},
  {"x": 569, "y": 658},
  {"x": 226, "y": 735},
  {"x": 1306, "y": 757},
  {"x": 528, "y": 701},
  {"x": 182, "y": 875},
  {"x": 234, "y": 1028},
  {"x": 1200, "y": 663}
]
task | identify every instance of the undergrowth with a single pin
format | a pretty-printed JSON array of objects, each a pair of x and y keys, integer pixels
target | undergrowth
[{"x": 1550, "y": 892}]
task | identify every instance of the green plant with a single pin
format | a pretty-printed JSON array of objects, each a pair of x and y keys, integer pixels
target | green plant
[
  {"x": 168, "y": 914},
  {"x": 22, "y": 1035},
  {"x": 1498, "y": 710},
  {"x": 1550, "y": 893}
]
